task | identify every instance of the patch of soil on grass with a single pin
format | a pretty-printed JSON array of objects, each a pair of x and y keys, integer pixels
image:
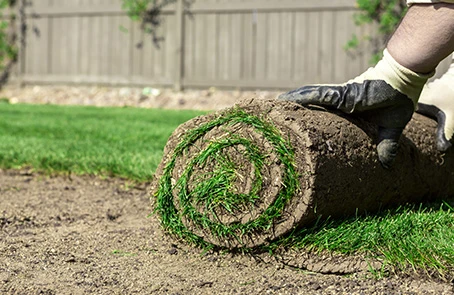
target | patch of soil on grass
[{"x": 87, "y": 235}]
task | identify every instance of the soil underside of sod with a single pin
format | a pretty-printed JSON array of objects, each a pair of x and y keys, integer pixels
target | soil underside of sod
[{"x": 86, "y": 235}]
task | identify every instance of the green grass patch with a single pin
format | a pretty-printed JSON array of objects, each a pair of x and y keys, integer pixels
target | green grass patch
[
  {"x": 125, "y": 142},
  {"x": 407, "y": 238}
]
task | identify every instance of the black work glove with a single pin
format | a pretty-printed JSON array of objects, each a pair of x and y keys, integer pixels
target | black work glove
[{"x": 385, "y": 95}]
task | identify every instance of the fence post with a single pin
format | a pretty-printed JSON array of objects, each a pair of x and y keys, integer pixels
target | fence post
[{"x": 179, "y": 14}]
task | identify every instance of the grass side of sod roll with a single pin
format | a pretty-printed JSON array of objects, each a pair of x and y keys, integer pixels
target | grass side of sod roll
[
  {"x": 129, "y": 142},
  {"x": 218, "y": 191}
]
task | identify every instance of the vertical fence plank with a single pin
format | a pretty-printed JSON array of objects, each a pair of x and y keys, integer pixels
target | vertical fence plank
[
  {"x": 179, "y": 42},
  {"x": 188, "y": 49},
  {"x": 104, "y": 49},
  {"x": 93, "y": 45},
  {"x": 211, "y": 45},
  {"x": 169, "y": 44},
  {"x": 120, "y": 45},
  {"x": 58, "y": 46},
  {"x": 354, "y": 64},
  {"x": 327, "y": 50},
  {"x": 342, "y": 38},
  {"x": 261, "y": 41},
  {"x": 286, "y": 47},
  {"x": 74, "y": 43},
  {"x": 301, "y": 47},
  {"x": 235, "y": 46},
  {"x": 137, "y": 51},
  {"x": 247, "y": 39},
  {"x": 313, "y": 39},
  {"x": 20, "y": 70},
  {"x": 199, "y": 65},
  {"x": 224, "y": 47},
  {"x": 84, "y": 63},
  {"x": 272, "y": 45}
]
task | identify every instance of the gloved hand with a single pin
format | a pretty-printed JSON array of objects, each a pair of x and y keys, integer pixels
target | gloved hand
[
  {"x": 386, "y": 95},
  {"x": 437, "y": 101}
]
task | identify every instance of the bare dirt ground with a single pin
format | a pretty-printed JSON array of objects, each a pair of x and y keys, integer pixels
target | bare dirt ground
[{"x": 87, "y": 235}]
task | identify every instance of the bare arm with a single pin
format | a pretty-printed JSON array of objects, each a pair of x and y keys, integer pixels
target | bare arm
[{"x": 425, "y": 37}]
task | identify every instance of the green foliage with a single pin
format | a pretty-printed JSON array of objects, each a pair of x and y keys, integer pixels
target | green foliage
[
  {"x": 148, "y": 14},
  {"x": 136, "y": 9},
  {"x": 8, "y": 36},
  {"x": 7, "y": 48},
  {"x": 385, "y": 14}
]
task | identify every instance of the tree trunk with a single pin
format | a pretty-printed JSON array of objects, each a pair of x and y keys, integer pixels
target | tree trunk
[{"x": 248, "y": 175}]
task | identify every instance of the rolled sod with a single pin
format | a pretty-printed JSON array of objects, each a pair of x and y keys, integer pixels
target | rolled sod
[{"x": 251, "y": 174}]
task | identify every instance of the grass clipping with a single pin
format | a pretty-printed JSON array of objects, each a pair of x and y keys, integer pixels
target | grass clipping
[{"x": 227, "y": 181}]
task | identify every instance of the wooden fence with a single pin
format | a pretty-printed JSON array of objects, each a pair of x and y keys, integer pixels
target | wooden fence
[{"x": 223, "y": 43}]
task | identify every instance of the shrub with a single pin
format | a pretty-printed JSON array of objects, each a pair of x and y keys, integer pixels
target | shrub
[
  {"x": 8, "y": 49},
  {"x": 386, "y": 14}
]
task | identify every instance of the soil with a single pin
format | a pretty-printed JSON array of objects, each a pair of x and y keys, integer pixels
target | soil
[{"x": 87, "y": 235}]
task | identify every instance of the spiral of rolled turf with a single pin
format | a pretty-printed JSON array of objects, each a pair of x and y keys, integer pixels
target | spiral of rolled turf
[
  {"x": 254, "y": 173},
  {"x": 227, "y": 181}
]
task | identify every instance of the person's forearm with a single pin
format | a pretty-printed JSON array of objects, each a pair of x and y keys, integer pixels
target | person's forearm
[{"x": 424, "y": 37}]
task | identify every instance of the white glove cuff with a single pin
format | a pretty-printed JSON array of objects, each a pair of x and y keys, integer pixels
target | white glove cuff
[{"x": 400, "y": 78}]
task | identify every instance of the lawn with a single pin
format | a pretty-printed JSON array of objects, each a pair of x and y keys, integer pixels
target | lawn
[
  {"x": 125, "y": 142},
  {"x": 129, "y": 142}
]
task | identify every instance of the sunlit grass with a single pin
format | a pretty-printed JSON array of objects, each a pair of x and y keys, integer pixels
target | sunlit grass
[
  {"x": 407, "y": 238},
  {"x": 126, "y": 142}
]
